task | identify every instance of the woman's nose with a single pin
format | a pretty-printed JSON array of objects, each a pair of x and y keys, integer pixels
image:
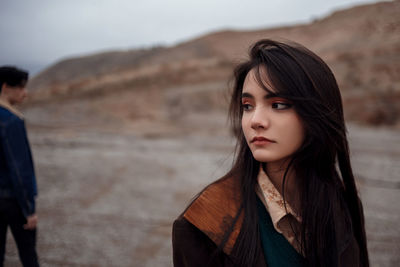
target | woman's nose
[{"x": 260, "y": 119}]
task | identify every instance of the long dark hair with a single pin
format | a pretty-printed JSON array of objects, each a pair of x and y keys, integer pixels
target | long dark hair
[{"x": 322, "y": 167}]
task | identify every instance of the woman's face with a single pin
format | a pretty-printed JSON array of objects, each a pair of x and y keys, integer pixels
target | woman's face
[{"x": 272, "y": 128}]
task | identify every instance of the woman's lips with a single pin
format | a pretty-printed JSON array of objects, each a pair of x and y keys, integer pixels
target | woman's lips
[{"x": 259, "y": 140}]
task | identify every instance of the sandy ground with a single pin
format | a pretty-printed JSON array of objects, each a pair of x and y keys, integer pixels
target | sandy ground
[{"x": 108, "y": 199}]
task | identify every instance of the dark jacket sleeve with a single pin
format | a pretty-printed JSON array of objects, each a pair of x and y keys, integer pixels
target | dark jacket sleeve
[
  {"x": 18, "y": 156},
  {"x": 192, "y": 248}
]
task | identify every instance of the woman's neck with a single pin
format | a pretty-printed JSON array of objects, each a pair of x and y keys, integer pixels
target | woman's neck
[{"x": 276, "y": 172}]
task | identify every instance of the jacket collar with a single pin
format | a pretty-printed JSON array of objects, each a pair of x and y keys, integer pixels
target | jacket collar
[
  {"x": 12, "y": 109},
  {"x": 214, "y": 211},
  {"x": 276, "y": 206}
]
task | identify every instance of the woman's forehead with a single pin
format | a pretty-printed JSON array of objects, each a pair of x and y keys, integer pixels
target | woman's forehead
[{"x": 259, "y": 74}]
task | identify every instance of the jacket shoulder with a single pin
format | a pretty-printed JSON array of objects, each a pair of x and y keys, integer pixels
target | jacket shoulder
[
  {"x": 191, "y": 247},
  {"x": 215, "y": 210},
  {"x": 7, "y": 117}
]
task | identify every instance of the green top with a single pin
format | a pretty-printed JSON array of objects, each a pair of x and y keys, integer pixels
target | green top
[{"x": 277, "y": 250}]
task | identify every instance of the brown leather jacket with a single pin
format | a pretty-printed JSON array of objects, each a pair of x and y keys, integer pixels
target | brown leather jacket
[{"x": 202, "y": 226}]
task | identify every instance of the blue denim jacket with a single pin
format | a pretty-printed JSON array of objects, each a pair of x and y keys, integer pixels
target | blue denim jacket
[{"x": 17, "y": 175}]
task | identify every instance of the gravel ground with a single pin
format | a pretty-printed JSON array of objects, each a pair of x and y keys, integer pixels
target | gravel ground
[{"x": 108, "y": 199}]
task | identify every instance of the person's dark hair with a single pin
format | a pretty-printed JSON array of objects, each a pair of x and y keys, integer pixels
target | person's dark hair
[
  {"x": 322, "y": 165},
  {"x": 12, "y": 76}
]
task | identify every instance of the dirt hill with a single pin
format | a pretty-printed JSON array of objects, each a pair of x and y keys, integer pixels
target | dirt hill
[{"x": 189, "y": 81}]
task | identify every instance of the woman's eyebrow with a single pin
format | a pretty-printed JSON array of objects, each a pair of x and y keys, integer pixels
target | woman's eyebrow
[
  {"x": 247, "y": 95},
  {"x": 267, "y": 96},
  {"x": 272, "y": 95}
]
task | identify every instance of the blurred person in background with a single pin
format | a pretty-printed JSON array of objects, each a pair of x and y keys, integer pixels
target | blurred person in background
[
  {"x": 290, "y": 198},
  {"x": 17, "y": 177}
]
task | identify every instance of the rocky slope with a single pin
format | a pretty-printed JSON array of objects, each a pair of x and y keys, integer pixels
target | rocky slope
[{"x": 173, "y": 84}]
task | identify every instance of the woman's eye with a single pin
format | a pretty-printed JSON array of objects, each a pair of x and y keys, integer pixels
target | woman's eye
[
  {"x": 281, "y": 106},
  {"x": 247, "y": 107}
]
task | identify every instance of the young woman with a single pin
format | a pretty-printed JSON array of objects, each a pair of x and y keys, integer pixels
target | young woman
[{"x": 290, "y": 198}]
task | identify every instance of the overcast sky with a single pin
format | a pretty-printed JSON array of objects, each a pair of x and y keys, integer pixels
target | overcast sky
[{"x": 37, "y": 33}]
